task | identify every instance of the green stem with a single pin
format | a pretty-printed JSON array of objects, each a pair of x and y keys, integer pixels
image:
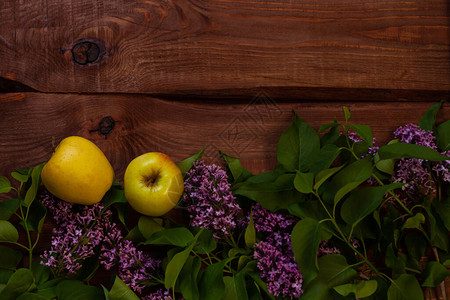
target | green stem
[
  {"x": 394, "y": 196},
  {"x": 17, "y": 244}
]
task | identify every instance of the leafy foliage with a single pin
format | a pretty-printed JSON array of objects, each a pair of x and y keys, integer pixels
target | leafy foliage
[{"x": 356, "y": 233}]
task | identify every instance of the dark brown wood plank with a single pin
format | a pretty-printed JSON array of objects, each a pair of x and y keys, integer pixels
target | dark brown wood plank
[
  {"x": 186, "y": 47},
  {"x": 32, "y": 123}
]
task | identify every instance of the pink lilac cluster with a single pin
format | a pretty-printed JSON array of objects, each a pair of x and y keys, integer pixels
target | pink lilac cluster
[
  {"x": 209, "y": 200},
  {"x": 274, "y": 255},
  {"x": 134, "y": 267},
  {"x": 414, "y": 172},
  {"x": 80, "y": 230}
]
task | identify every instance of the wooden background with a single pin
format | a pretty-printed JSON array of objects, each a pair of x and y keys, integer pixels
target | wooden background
[{"x": 176, "y": 76}]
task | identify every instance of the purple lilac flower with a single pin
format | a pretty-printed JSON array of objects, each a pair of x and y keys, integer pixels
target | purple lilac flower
[
  {"x": 274, "y": 255},
  {"x": 134, "y": 267},
  {"x": 325, "y": 248},
  {"x": 279, "y": 270},
  {"x": 160, "y": 294},
  {"x": 356, "y": 138},
  {"x": 79, "y": 231},
  {"x": 83, "y": 229},
  {"x": 414, "y": 172},
  {"x": 209, "y": 199}
]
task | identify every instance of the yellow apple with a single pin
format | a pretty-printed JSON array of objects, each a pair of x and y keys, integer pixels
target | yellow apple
[
  {"x": 78, "y": 172},
  {"x": 153, "y": 184}
]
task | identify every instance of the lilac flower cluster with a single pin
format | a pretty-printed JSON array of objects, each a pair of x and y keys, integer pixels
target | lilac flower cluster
[
  {"x": 134, "y": 267},
  {"x": 356, "y": 138},
  {"x": 79, "y": 231},
  {"x": 414, "y": 172},
  {"x": 325, "y": 248},
  {"x": 274, "y": 255},
  {"x": 160, "y": 294},
  {"x": 209, "y": 200}
]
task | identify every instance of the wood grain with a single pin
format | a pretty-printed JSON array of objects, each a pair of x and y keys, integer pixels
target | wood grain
[
  {"x": 31, "y": 126},
  {"x": 190, "y": 47}
]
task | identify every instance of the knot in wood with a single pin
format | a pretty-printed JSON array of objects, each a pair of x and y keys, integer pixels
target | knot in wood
[
  {"x": 105, "y": 126},
  {"x": 86, "y": 52}
]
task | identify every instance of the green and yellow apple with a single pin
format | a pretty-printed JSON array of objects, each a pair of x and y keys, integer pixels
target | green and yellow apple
[
  {"x": 78, "y": 172},
  {"x": 153, "y": 184}
]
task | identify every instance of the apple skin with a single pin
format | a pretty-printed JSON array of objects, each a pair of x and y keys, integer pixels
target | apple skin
[
  {"x": 78, "y": 172},
  {"x": 153, "y": 184}
]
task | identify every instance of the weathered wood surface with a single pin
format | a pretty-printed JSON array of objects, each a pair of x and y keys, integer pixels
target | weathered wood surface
[
  {"x": 217, "y": 47},
  {"x": 32, "y": 123}
]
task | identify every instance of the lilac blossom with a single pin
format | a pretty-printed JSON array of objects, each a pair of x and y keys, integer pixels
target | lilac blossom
[
  {"x": 78, "y": 233},
  {"x": 209, "y": 200},
  {"x": 417, "y": 174},
  {"x": 356, "y": 138},
  {"x": 274, "y": 255},
  {"x": 134, "y": 267},
  {"x": 325, "y": 248},
  {"x": 160, "y": 294},
  {"x": 81, "y": 231}
]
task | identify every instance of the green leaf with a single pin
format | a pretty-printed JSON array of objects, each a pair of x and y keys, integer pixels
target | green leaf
[
  {"x": 8, "y": 207},
  {"x": 334, "y": 270},
  {"x": 428, "y": 119},
  {"x": 414, "y": 222},
  {"x": 19, "y": 283},
  {"x": 120, "y": 291},
  {"x": 434, "y": 274},
  {"x": 385, "y": 165},
  {"x": 396, "y": 263},
  {"x": 20, "y": 177},
  {"x": 31, "y": 296},
  {"x": 36, "y": 216},
  {"x": 406, "y": 287},
  {"x": 323, "y": 175},
  {"x": 40, "y": 272},
  {"x": 271, "y": 195},
  {"x": 113, "y": 196},
  {"x": 405, "y": 150},
  {"x": 179, "y": 236},
  {"x": 188, "y": 278},
  {"x": 355, "y": 173},
  {"x": 442, "y": 208},
  {"x": 317, "y": 290},
  {"x": 443, "y": 136},
  {"x": 303, "y": 182},
  {"x": 306, "y": 237},
  {"x": 148, "y": 226},
  {"x": 347, "y": 113},
  {"x": 5, "y": 185},
  {"x": 238, "y": 172},
  {"x": 250, "y": 233},
  {"x": 8, "y": 233},
  {"x": 211, "y": 284},
  {"x": 206, "y": 243},
  {"x": 186, "y": 164},
  {"x": 365, "y": 132},
  {"x": 35, "y": 182},
  {"x": 177, "y": 262},
  {"x": 76, "y": 290},
  {"x": 9, "y": 258},
  {"x": 361, "y": 289},
  {"x": 297, "y": 145},
  {"x": 364, "y": 201},
  {"x": 235, "y": 287},
  {"x": 260, "y": 283}
]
